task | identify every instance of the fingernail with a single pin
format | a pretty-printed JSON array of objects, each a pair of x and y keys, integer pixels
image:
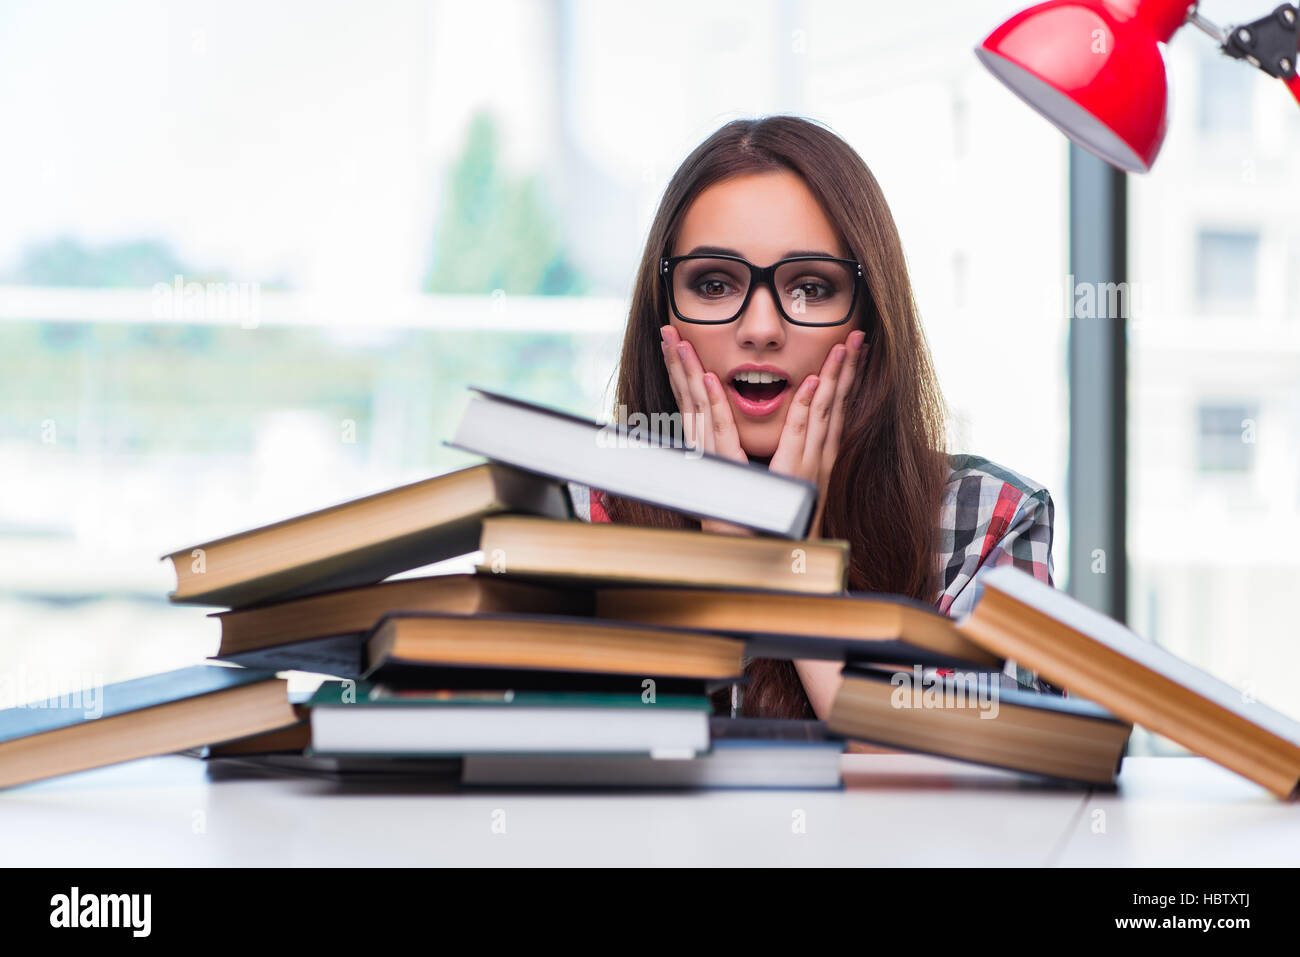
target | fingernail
[
  {"x": 681, "y": 349},
  {"x": 663, "y": 333}
]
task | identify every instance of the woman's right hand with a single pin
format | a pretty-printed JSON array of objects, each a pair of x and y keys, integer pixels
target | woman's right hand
[{"x": 707, "y": 421}]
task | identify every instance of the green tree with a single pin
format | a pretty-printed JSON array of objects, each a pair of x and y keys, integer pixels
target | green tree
[
  {"x": 497, "y": 232},
  {"x": 65, "y": 261}
]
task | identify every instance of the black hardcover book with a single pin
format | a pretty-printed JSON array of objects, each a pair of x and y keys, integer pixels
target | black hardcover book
[
  {"x": 340, "y": 655},
  {"x": 459, "y": 678},
  {"x": 775, "y": 730}
]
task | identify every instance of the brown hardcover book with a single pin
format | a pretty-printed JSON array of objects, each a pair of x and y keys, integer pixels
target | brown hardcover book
[
  {"x": 613, "y": 553},
  {"x": 981, "y": 722},
  {"x": 326, "y": 633},
  {"x": 362, "y": 541},
  {"x": 158, "y": 714},
  {"x": 552, "y": 643},
  {"x": 1093, "y": 655},
  {"x": 291, "y": 739},
  {"x": 855, "y": 625}
]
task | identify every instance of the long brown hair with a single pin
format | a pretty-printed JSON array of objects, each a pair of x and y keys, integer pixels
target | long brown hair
[{"x": 884, "y": 492}]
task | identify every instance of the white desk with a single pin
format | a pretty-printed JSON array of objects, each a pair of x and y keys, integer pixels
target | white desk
[
  {"x": 894, "y": 810},
  {"x": 1184, "y": 812}
]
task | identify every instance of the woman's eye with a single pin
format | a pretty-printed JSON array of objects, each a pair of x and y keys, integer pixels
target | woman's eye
[
  {"x": 711, "y": 288},
  {"x": 813, "y": 289}
]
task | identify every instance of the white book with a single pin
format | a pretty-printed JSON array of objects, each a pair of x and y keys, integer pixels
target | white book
[
  {"x": 632, "y": 464},
  {"x": 512, "y": 729}
]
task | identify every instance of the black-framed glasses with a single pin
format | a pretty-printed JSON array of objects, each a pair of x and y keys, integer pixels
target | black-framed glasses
[{"x": 807, "y": 290}]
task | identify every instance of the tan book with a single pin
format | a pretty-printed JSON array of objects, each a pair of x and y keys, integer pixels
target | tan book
[
  {"x": 326, "y": 633},
  {"x": 613, "y": 553},
  {"x": 158, "y": 714},
  {"x": 855, "y": 625},
  {"x": 362, "y": 541},
  {"x": 1092, "y": 655},
  {"x": 981, "y": 722},
  {"x": 551, "y": 643}
]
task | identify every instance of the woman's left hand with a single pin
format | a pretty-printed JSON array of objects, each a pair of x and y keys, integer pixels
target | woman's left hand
[{"x": 810, "y": 437}]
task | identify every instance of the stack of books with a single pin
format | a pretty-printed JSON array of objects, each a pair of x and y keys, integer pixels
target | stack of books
[{"x": 584, "y": 654}]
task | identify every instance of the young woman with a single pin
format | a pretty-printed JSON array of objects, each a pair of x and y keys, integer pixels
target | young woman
[{"x": 773, "y": 310}]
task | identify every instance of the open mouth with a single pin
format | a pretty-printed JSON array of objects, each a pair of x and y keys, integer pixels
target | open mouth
[{"x": 758, "y": 386}]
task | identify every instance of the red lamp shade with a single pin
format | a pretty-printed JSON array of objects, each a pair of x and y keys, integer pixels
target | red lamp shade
[{"x": 1094, "y": 68}]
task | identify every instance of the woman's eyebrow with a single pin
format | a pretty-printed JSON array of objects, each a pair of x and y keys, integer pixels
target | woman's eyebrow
[
  {"x": 723, "y": 251},
  {"x": 713, "y": 251}
]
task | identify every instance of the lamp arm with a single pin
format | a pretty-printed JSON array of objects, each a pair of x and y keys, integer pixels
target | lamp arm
[
  {"x": 1213, "y": 30},
  {"x": 1270, "y": 44}
]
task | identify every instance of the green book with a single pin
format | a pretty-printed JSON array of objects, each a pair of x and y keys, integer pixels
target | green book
[{"x": 372, "y": 693}]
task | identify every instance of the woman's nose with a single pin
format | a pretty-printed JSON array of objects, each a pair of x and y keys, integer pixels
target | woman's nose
[{"x": 761, "y": 325}]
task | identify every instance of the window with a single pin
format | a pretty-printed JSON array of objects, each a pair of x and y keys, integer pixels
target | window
[
  {"x": 480, "y": 223},
  {"x": 1211, "y": 516},
  {"x": 1225, "y": 101},
  {"x": 1225, "y": 437},
  {"x": 1225, "y": 269}
]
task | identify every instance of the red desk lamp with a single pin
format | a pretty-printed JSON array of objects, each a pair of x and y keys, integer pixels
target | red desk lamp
[{"x": 1095, "y": 69}]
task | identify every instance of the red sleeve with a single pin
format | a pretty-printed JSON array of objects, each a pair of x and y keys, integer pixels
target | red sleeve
[{"x": 598, "y": 513}]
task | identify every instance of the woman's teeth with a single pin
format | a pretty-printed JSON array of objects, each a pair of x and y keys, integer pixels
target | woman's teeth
[
  {"x": 758, "y": 377},
  {"x": 758, "y": 386}
]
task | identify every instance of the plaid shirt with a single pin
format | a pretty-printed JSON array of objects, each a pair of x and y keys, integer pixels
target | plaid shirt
[
  {"x": 989, "y": 516},
  {"x": 992, "y": 516}
]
